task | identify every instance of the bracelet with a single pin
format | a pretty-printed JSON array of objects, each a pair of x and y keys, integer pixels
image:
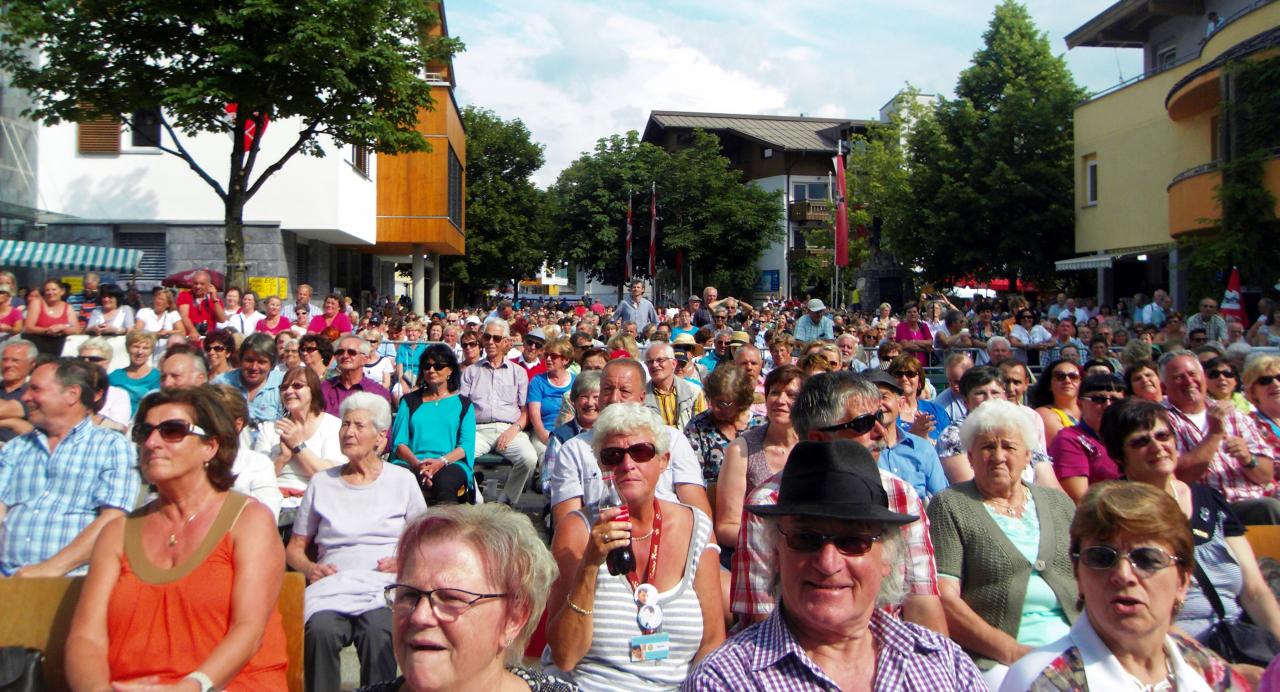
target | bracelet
[
  {"x": 576, "y": 609},
  {"x": 204, "y": 681}
]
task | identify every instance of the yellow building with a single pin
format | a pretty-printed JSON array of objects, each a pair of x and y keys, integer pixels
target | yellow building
[{"x": 1147, "y": 154}]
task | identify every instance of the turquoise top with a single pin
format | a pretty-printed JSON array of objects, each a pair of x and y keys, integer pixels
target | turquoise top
[
  {"x": 431, "y": 429},
  {"x": 137, "y": 388},
  {"x": 1043, "y": 620}
]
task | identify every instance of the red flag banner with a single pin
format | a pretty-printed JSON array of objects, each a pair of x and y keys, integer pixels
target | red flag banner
[
  {"x": 628, "y": 250},
  {"x": 842, "y": 214},
  {"x": 1231, "y": 306},
  {"x": 250, "y": 130},
  {"x": 653, "y": 230}
]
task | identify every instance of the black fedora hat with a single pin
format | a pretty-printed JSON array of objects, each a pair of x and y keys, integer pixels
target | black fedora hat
[{"x": 832, "y": 480}]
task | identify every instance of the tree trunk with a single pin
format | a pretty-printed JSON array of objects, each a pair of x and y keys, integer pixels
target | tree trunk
[{"x": 234, "y": 230}]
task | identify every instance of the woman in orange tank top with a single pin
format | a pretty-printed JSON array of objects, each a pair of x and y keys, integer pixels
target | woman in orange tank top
[{"x": 183, "y": 591}]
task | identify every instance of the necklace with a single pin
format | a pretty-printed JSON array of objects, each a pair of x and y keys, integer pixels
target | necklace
[
  {"x": 1009, "y": 509},
  {"x": 173, "y": 535},
  {"x": 641, "y": 538}
]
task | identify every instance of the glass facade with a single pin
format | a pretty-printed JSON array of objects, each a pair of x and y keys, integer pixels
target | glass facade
[{"x": 18, "y": 195}]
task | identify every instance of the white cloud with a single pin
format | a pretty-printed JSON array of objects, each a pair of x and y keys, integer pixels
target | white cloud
[{"x": 578, "y": 70}]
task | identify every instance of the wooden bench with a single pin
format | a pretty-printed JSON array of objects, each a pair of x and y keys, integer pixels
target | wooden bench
[
  {"x": 37, "y": 614},
  {"x": 1265, "y": 541}
]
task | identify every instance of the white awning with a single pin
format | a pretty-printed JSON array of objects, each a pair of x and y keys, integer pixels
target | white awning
[
  {"x": 1103, "y": 260},
  {"x": 66, "y": 257}
]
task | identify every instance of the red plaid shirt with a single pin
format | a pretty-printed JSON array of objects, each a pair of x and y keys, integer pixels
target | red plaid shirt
[
  {"x": 754, "y": 564},
  {"x": 1225, "y": 474}
]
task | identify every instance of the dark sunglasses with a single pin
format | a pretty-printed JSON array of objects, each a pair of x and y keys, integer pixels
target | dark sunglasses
[
  {"x": 347, "y": 352},
  {"x": 470, "y": 344},
  {"x": 532, "y": 343},
  {"x": 215, "y": 348},
  {"x": 310, "y": 348},
  {"x": 1218, "y": 374},
  {"x": 93, "y": 359},
  {"x": 1266, "y": 380},
  {"x": 435, "y": 366},
  {"x": 296, "y": 386},
  {"x": 640, "y": 453},
  {"x": 810, "y": 542},
  {"x": 1141, "y": 441},
  {"x": 1103, "y": 400},
  {"x": 485, "y": 338},
  {"x": 904, "y": 373},
  {"x": 860, "y": 425},
  {"x": 173, "y": 430},
  {"x": 1064, "y": 376},
  {"x": 1146, "y": 561}
]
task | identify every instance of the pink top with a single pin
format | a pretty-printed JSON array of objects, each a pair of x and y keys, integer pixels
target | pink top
[
  {"x": 282, "y": 325},
  {"x": 44, "y": 319},
  {"x": 340, "y": 322},
  {"x": 904, "y": 332}
]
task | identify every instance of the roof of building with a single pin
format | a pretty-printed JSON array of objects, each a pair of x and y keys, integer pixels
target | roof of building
[
  {"x": 1126, "y": 23},
  {"x": 791, "y": 133}
]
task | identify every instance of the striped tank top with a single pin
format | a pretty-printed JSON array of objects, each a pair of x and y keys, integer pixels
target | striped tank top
[{"x": 607, "y": 664}]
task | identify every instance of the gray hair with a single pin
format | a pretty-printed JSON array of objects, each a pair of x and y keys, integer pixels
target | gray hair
[
  {"x": 33, "y": 351},
  {"x": 824, "y": 398},
  {"x": 586, "y": 381},
  {"x": 262, "y": 344},
  {"x": 994, "y": 415},
  {"x": 1175, "y": 353},
  {"x": 893, "y": 587},
  {"x": 100, "y": 344},
  {"x": 998, "y": 341},
  {"x": 663, "y": 346},
  {"x": 723, "y": 332},
  {"x": 371, "y": 333},
  {"x": 501, "y": 323},
  {"x": 628, "y": 419},
  {"x": 374, "y": 405}
]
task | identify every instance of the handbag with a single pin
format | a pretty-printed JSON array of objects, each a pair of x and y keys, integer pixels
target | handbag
[
  {"x": 1237, "y": 642},
  {"x": 21, "y": 669}
]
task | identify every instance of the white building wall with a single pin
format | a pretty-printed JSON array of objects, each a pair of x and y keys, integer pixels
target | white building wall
[{"x": 775, "y": 257}]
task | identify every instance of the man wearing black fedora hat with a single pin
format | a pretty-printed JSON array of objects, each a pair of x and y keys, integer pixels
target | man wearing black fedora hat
[
  {"x": 840, "y": 405},
  {"x": 837, "y": 547}
]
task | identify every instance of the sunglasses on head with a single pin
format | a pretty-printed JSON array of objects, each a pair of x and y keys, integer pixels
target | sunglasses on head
[
  {"x": 1141, "y": 441},
  {"x": 860, "y": 425},
  {"x": 811, "y": 542},
  {"x": 640, "y": 453},
  {"x": 1218, "y": 374},
  {"x": 1146, "y": 561},
  {"x": 173, "y": 430}
]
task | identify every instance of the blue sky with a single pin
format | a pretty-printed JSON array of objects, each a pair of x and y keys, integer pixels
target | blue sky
[{"x": 578, "y": 70}]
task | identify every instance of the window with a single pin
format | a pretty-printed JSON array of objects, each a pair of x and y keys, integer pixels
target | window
[
  {"x": 1166, "y": 56},
  {"x": 100, "y": 136},
  {"x": 155, "y": 256},
  {"x": 1091, "y": 180},
  {"x": 455, "y": 188},
  {"x": 804, "y": 191},
  {"x": 360, "y": 159},
  {"x": 145, "y": 128},
  {"x": 302, "y": 265}
]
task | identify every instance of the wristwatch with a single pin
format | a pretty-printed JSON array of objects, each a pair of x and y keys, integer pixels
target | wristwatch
[
  {"x": 204, "y": 681},
  {"x": 298, "y": 448},
  {"x": 1252, "y": 463}
]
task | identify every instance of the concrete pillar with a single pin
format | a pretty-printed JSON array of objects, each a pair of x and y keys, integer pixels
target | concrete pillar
[
  {"x": 1106, "y": 286},
  {"x": 1177, "y": 280},
  {"x": 419, "y": 281},
  {"x": 433, "y": 284}
]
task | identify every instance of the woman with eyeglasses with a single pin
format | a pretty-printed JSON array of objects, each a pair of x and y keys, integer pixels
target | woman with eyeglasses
[
  {"x": 1027, "y": 337},
  {"x": 1262, "y": 387},
  {"x": 729, "y": 392},
  {"x": 301, "y": 318},
  {"x": 307, "y": 439},
  {"x": 1001, "y": 546},
  {"x": 1139, "y": 436},
  {"x": 1056, "y": 397},
  {"x": 1142, "y": 380},
  {"x": 916, "y": 414},
  {"x": 115, "y": 405},
  {"x": 469, "y": 344},
  {"x": 1224, "y": 384},
  {"x": 220, "y": 348},
  {"x": 471, "y": 585},
  {"x": 594, "y": 630},
  {"x": 182, "y": 592},
  {"x": 139, "y": 378},
  {"x": 317, "y": 353},
  {"x": 350, "y": 519},
  {"x": 434, "y": 434},
  {"x": 1080, "y": 458},
  {"x": 1132, "y": 556},
  {"x": 379, "y": 366}
]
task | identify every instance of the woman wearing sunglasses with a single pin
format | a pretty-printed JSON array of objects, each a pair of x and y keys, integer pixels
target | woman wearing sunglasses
[
  {"x": 729, "y": 392},
  {"x": 184, "y": 589},
  {"x": 316, "y": 352},
  {"x": 1001, "y": 546},
  {"x": 1140, "y": 438},
  {"x": 1224, "y": 384},
  {"x": 1262, "y": 386},
  {"x": 220, "y": 349},
  {"x": 1056, "y": 397},
  {"x": 434, "y": 434},
  {"x": 916, "y": 414},
  {"x": 1133, "y": 557},
  {"x": 594, "y": 628}
]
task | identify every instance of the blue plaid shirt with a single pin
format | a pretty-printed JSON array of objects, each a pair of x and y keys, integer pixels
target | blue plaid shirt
[
  {"x": 266, "y": 406},
  {"x": 52, "y": 497},
  {"x": 766, "y": 656}
]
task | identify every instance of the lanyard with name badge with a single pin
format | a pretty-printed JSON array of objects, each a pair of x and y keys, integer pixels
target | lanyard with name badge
[{"x": 651, "y": 645}]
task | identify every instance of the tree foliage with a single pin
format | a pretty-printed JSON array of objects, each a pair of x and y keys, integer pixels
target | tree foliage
[
  {"x": 354, "y": 70},
  {"x": 990, "y": 172},
  {"x": 705, "y": 210},
  {"x": 508, "y": 221}
]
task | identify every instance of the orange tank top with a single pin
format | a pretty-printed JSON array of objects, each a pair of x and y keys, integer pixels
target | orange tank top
[{"x": 165, "y": 622}]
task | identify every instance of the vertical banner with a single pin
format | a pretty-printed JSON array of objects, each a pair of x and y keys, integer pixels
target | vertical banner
[
  {"x": 627, "y": 276},
  {"x": 842, "y": 212},
  {"x": 1230, "y": 306},
  {"x": 653, "y": 230}
]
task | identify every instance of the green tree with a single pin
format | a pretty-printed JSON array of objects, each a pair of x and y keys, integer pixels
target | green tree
[
  {"x": 275, "y": 59},
  {"x": 508, "y": 224},
  {"x": 990, "y": 173},
  {"x": 705, "y": 210}
]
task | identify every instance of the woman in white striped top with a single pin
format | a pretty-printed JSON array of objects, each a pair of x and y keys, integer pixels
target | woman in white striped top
[{"x": 598, "y": 633}]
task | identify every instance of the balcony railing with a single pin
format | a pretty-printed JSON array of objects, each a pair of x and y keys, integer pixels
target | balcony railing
[{"x": 817, "y": 211}]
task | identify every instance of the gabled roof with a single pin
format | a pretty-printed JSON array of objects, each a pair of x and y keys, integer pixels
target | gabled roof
[
  {"x": 1128, "y": 23},
  {"x": 789, "y": 133}
]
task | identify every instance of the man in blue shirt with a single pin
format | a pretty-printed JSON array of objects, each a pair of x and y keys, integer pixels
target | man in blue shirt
[
  {"x": 637, "y": 309},
  {"x": 814, "y": 325},
  {"x": 909, "y": 457}
]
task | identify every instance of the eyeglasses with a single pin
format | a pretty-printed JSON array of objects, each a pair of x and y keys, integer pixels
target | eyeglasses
[
  {"x": 810, "y": 542},
  {"x": 658, "y": 362},
  {"x": 215, "y": 348},
  {"x": 1217, "y": 374},
  {"x": 486, "y": 338},
  {"x": 860, "y": 425},
  {"x": 310, "y": 348},
  {"x": 904, "y": 373},
  {"x": 1064, "y": 376},
  {"x": 173, "y": 430},
  {"x": 532, "y": 343},
  {"x": 640, "y": 453},
  {"x": 1146, "y": 561},
  {"x": 1141, "y": 441},
  {"x": 93, "y": 359},
  {"x": 447, "y": 604},
  {"x": 1266, "y": 380},
  {"x": 1103, "y": 400},
  {"x": 348, "y": 352},
  {"x": 294, "y": 386},
  {"x": 435, "y": 366}
]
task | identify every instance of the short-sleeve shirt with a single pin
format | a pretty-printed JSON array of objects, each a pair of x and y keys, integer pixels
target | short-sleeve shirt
[
  {"x": 915, "y": 461},
  {"x": 1225, "y": 473},
  {"x": 498, "y": 393},
  {"x": 200, "y": 312},
  {"x": 904, "y": 332},
  {"x": 7, "y": 434},
  {"x": 1077, "y": 451},
  {"x": 548, "y": 396}
]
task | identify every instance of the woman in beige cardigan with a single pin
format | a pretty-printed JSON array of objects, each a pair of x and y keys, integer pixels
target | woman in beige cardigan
[{"x": 1002, "y": 547}]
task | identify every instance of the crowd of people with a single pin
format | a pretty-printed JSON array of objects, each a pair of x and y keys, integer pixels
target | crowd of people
[{"x": 736, "y": 497}]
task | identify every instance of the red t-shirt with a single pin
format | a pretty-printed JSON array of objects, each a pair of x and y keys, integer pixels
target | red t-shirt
[
  {"x": 13, "y": 318},
  {"x": 199, "y": 312}
]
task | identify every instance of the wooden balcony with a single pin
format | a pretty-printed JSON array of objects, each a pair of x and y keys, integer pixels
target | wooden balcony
[{"x": 813, "y": 211}]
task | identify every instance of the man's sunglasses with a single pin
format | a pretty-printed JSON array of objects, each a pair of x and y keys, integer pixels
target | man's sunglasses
[
  {"x": 173, "y": 430},
  {"x": 1146, "y": 561},
  {"x": 640, "y": 453},
  {"x": 347, "y": 352},
  {"x": 860, "y": 425},
  {"x": 810, "y": 542}
]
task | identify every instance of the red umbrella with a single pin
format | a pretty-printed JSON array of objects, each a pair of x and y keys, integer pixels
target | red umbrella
[{"x": 184, "y": 279}]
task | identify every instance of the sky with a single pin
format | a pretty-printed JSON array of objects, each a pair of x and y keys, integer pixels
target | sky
[{"x": 575, "y": 71}]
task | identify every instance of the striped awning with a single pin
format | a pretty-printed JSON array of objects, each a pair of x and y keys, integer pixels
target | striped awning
[{"x": 64, "y": 257}]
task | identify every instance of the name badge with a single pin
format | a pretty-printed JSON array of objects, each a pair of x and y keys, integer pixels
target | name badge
[{"x": 650, "y": 647}]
